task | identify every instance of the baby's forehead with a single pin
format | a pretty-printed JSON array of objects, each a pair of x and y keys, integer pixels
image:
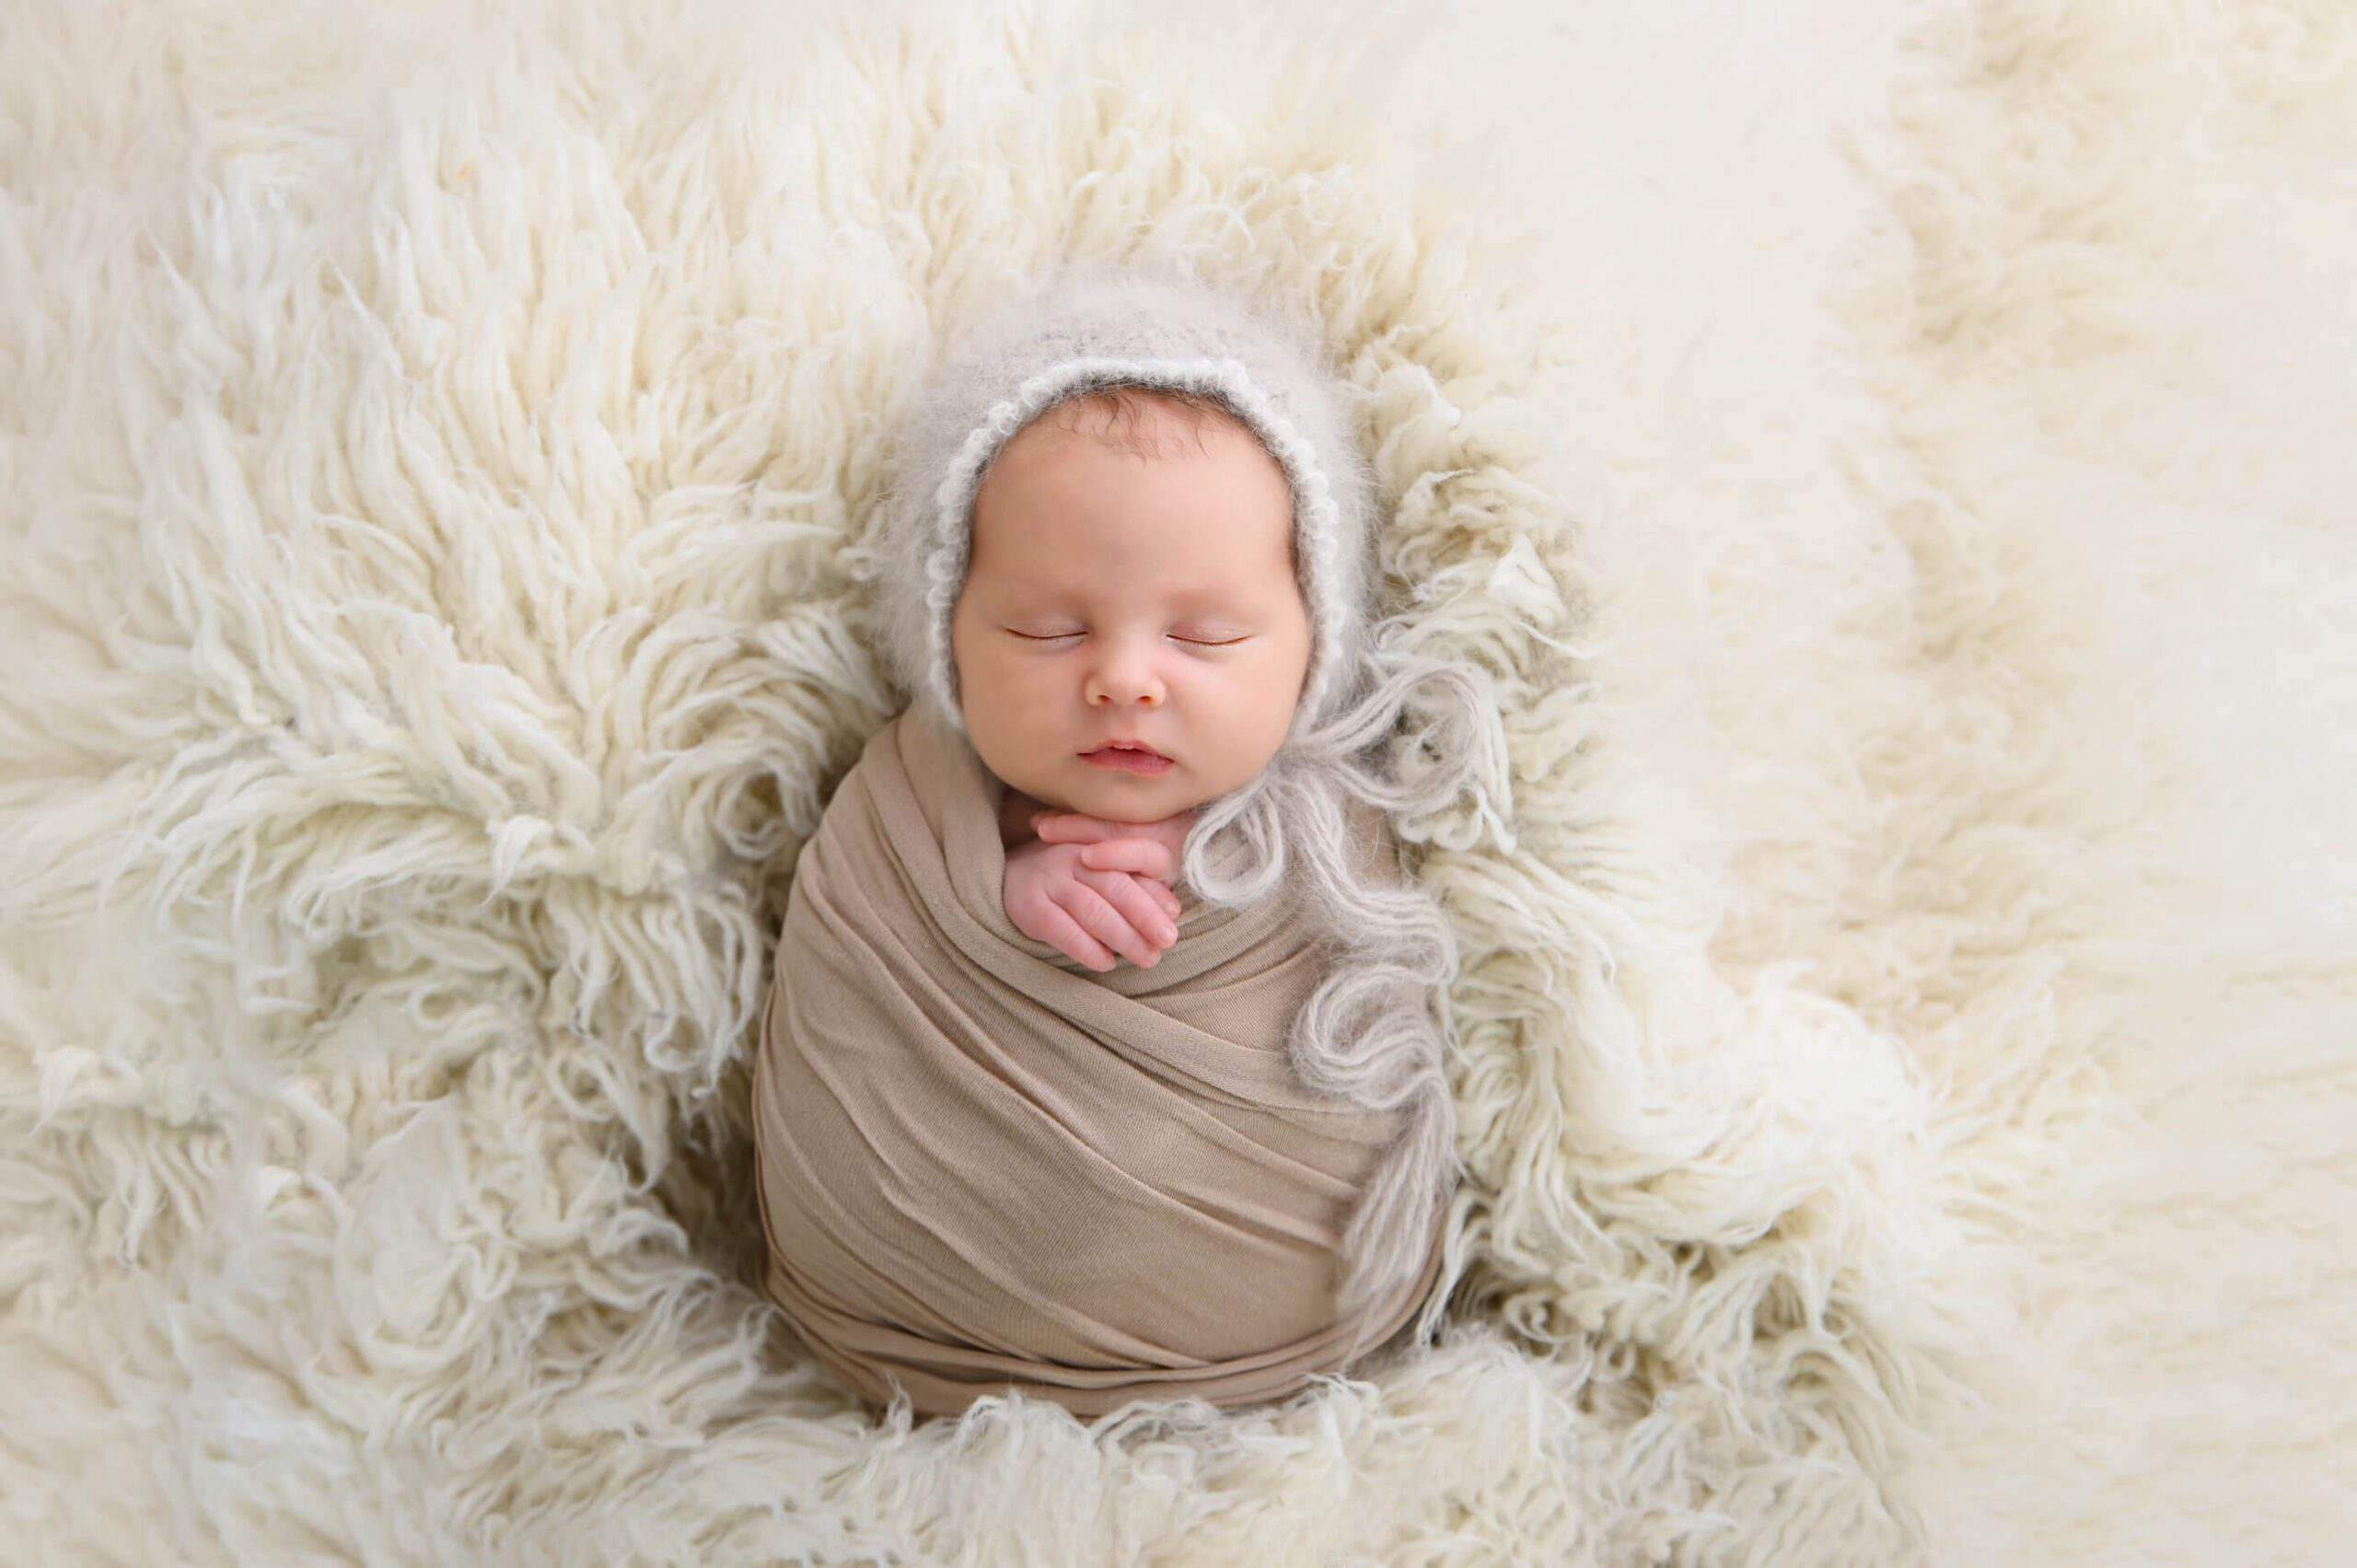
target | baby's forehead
[{"x": 1224, "y": 580}]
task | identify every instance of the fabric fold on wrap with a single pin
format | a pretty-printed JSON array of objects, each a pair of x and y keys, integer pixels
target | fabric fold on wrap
[{"x": 983, "y": 1164}]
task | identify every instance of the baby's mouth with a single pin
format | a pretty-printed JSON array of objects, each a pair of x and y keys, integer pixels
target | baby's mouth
[{"x": 1131, "y": 759}]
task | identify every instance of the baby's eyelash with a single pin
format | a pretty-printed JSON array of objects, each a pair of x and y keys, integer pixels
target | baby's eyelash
[{"x": 1199, "y": 642}]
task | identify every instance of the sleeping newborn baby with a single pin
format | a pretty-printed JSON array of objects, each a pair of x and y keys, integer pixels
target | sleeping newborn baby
[{"x": 1124, "y": 561}]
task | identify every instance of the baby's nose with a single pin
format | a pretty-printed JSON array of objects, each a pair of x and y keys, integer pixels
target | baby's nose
[{"x": 1123, "y": 680}]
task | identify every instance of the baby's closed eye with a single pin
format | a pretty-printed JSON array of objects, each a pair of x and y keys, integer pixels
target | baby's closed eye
[{"x": 1221, "y": 638}]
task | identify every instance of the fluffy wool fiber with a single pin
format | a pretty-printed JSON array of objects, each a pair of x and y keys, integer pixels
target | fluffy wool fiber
[{"x": 1892, "y": 462}]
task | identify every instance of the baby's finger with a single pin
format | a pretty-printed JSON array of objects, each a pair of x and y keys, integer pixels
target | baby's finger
[
  {"x": 1161, "y": 894},
  {"x": 1069, "y": 936},
  {"x": 1171, "y": 832},
  {"x": 1122, "y": 917},
  {"x": 1071, "y": 828},
  {"x": 1132, "y": 898},
  {"x": 1142, "y": 856}
]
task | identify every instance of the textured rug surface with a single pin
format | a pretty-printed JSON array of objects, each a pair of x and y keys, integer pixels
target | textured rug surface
[{"x": 1893, "y": 461}]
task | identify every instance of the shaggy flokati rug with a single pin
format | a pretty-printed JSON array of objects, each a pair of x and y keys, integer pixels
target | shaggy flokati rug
[{"x": 1893, "y": 461}]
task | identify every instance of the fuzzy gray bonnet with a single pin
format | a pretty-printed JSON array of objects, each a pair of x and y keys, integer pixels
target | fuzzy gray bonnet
[{"x": 1090, "y": 330}]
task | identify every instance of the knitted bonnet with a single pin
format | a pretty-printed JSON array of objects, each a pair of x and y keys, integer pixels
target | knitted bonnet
[{"x": 1086, "y": 330}]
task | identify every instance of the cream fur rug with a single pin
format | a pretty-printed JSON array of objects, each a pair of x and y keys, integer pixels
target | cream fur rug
[{"x": 1897, "y": 463}]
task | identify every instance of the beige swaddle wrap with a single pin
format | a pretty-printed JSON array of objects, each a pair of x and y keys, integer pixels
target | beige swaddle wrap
[{"x": 983, "y": 1165}]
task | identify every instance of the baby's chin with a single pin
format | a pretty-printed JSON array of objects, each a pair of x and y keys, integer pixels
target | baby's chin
[{"x": 1121, "y": 796}]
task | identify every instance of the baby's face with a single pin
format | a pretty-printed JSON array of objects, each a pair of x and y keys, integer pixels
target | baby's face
[{"x": 1112, "y": 596}]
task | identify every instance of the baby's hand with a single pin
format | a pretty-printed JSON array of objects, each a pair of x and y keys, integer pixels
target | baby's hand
[
  {"x": 1148, "y": 849},
  {"x": 1052, "y": 897}
]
